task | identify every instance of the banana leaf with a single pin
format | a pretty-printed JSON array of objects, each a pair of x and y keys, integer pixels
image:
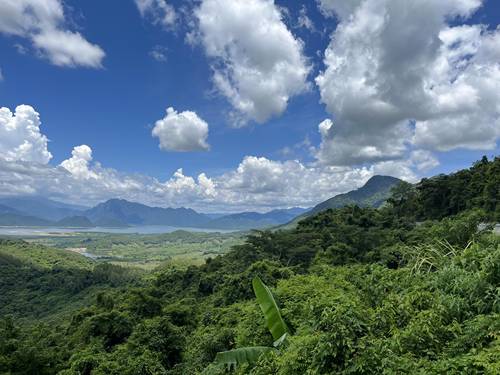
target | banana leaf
[
  {"x": 235, "y": 357},
  {"x": 272, "y": 315}
]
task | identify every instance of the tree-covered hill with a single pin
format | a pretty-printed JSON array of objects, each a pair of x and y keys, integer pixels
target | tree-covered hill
[
  {"x": 40, "y": 283},
  {"x": 373, "y": 193},
  {"x": 445, "y": 195},
  {"x": 362, "y": 291}
]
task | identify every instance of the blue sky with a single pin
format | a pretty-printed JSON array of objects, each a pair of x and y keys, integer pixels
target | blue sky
[{"x": 112, "y": 103}]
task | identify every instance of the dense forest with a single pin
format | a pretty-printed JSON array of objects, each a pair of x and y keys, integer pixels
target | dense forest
[{"x": 412, "y": 287}]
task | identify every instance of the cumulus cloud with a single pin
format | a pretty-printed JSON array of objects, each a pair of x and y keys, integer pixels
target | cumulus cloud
[
  {"x": 20, "y": 136},
  {"x": 159, "y": 11},
  {"x": 261, "y": 182},
  {"x": 340, "y": 148},
  {"x": 257, "y": 63},
  {"x": 43, "y": 22},
  {"x": 257, "y": 183},
  {"x": 78, "y": 164},
  {"x": 404, "y": 74},
  {"x": 81, "y": 180},
  {"x": 184, "y": 131}
]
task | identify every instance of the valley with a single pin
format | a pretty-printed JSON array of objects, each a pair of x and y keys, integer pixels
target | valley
[{"x": 146, "y": 251}]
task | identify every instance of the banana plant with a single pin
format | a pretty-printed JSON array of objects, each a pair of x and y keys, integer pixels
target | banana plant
[
  {"x": 274, "y": 322},
  {"x": 235, "y": 357}
]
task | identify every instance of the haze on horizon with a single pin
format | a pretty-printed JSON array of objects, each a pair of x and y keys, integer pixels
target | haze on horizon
[{"x": 233, "y": 105}]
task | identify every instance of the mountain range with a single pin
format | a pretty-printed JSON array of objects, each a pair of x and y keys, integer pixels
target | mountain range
[
  {"x": 255, "y": 220},
  {"x": 40, "y": 211}
]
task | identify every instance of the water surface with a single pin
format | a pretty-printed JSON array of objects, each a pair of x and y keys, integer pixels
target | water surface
[{"x": 141, "y": 229}]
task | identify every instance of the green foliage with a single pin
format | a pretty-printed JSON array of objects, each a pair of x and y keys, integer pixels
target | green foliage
[
  {"x": 275, "y": 323},
  {"x": 235, "y": 357},
  {"x": 45, "y": 283},
  {"x": 410, "y": 288},
  {"x": 445, "y": 195}
]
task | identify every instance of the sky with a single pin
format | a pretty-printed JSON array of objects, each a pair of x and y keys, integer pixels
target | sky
[{"x": 232, "y": 105}]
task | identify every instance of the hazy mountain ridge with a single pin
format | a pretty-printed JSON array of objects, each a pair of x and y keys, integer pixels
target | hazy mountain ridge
[
  {"x": 41, "y": 207},
  {"x": 256, "y": 220},
  {"x": 131, "y": 213},
  {"x": 122, "y": 213},
  {"x": 35, "y": 211},
  {"x": 75, "y": 222},
  {"x": 7, "y": 210},
  {"x": 15, "y": 219}
]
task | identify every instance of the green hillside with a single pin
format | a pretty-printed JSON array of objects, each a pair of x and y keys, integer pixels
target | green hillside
[
  {"x": 361, "y": 290},
  {"x": 41, "y": 283},
  {"x": 372, "y": 194}
]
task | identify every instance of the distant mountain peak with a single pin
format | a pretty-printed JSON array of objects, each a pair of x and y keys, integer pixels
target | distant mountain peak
[
  {"x": 373, "y": 193},
  {"x": 114, "y": 212},
  {"x": 381, "y": 177}
]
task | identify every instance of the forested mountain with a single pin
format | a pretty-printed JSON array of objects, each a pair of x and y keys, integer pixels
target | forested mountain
[
  {"x": 362, "y": 291},
  {"x": 372, "y": 194}
]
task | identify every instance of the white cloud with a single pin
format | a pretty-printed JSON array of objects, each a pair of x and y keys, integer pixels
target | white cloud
[
  {"x": 78, "y": 164},
  {"x": 184, "y": 131},
  {"x": 257, "y": 63},
  {"x": 418, "y": 161},
  {"x": 66, "y": 48},
  {"x": 347, "y": 149},
  {"x": 257, "y": 183},
  {"x": 399, "y": 76},
  {"x": 423, "y": 160},
  {"x": 20, "y": 136},
  {"x": 43, "y": 22},
  {"x": 340, "y": 8},
  {"x": 160, "y": 11}
]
